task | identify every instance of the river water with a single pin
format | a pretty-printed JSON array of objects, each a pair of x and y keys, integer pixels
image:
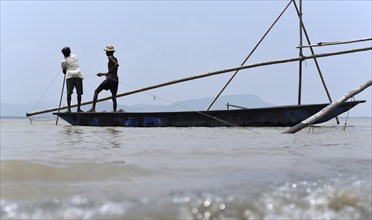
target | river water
[{"x": 72, "y": 172}]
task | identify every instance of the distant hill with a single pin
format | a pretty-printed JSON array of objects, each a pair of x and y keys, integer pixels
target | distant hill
[{"x": 243, "y": 100}]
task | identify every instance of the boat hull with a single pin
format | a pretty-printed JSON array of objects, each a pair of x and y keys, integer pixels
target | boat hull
[{"x": 282, "y": 116}]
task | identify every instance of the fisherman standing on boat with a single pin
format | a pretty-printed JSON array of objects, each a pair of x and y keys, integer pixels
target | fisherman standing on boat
[
  {"x": 112, "y": 80},
  {"x": 74, "y": 78}
]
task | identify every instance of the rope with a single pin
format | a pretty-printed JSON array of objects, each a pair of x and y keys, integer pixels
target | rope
[
  {"x": 89, "y": 75},
  {"x": 89, "y": 84},
  {"x": 42, "y": 96},
  {"x": 347, "y": 115}
]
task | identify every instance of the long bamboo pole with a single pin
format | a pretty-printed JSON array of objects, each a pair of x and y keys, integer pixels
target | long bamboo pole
[
  {"x": 316, "y": 117},
  {"x": 321, "y": 44},
  {"x": 212, "y": 74}
]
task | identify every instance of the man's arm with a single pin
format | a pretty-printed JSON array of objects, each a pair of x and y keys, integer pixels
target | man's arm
[{"x": 63, "y": 67}]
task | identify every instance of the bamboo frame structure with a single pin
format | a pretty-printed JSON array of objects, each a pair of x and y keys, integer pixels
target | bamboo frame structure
[
  {"x": 295, "y": 59},
  {"x": 302, "y": 31},
  {"x": 250, "y": 54},
  {"x": 315, "y": 60}
]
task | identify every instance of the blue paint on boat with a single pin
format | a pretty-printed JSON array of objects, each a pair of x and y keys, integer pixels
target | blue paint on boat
[{"x": 281, "y": 116}]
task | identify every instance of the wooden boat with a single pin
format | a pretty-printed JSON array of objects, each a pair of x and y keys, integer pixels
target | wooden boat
[
  {"x": 270, "y": 116},
  {"x": 255, "y": 117}
]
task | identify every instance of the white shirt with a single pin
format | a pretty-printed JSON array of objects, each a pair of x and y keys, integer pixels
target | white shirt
[{"x": 71, "y": 65}]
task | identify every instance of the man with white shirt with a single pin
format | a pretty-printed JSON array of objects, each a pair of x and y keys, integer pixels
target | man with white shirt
[{"x": 74, "y": 78}]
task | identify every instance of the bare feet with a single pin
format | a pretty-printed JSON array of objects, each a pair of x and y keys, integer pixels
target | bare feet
[
  {"x": 92, "y": 110},
  {"x": 68, "y": 111}
]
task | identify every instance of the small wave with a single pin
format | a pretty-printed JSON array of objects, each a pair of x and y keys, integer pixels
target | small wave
[
  {"x": 333, "y": 199},
  {"x": 14, "y": 171}
]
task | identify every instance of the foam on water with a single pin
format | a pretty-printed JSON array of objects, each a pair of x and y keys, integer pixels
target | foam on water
[{"x": 334, "y": 199}]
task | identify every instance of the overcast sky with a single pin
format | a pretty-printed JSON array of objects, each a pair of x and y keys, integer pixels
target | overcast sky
[{"x": 159, "y": 41}]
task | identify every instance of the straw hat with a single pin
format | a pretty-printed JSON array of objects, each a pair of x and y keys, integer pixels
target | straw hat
[{"x": 109, "y": 48}]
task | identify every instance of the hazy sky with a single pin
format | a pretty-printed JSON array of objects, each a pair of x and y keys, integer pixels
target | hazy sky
[{"x": 159, "y": 41}]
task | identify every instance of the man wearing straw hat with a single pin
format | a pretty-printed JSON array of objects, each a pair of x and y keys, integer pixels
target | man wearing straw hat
[
  {"x": 112, "y": 80},
  {"x": 74, "y": 78}
]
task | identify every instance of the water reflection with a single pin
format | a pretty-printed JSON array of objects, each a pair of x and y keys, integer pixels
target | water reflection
[
  {"x": 114, "y": 137},
  {"x": 73, "y": 135}
]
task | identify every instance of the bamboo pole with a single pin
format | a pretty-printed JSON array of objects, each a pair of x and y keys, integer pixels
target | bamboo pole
[
  {"x": 315, "y": 60},
  {"x": 210, "y": 74},
  {"x": 314, "y": 118},
  {"x": 250, "y": 54},
  {"x": 300, "y": 55},
  {"x": 321, "y": 44},
  {"x": 60, "y": 100}
]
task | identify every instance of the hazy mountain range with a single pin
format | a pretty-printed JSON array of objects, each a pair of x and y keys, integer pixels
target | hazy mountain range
[{"x": 243, "y": 100}]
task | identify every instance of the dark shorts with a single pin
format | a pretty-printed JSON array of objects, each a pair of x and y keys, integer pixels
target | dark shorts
[
  {"x": 109, "y": 84},
  {"x": 74, "y": 83}
]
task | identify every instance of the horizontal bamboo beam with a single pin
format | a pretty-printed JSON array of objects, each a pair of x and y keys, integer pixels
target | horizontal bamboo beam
[
  {"x": 320, "y": 44},
  {"x": 213, "y": 73}
]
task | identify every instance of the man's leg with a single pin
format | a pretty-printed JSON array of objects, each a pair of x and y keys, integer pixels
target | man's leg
[
  {"x": 114, "y": 104},
  {"x": 79, "y": 103},
  {"x": 68, "y": 102},
  {"x": 79, "y": 91},
  {"x": 114, "y": 91},
  {"x": 69, "y": 88},
  {"x": 95, "y": 97}
]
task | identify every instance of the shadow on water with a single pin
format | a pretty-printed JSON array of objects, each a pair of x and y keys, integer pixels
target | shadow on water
[
  {"x": 105, "y": 137},
  {"x": 73, "y": 135},
  {"x": 113, "y": 136}
]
